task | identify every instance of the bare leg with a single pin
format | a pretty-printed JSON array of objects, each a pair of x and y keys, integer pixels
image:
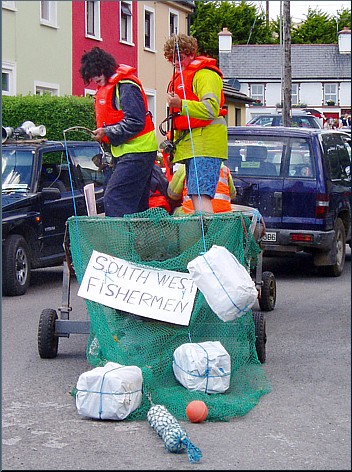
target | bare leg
[{"x": 202, "y": 203}]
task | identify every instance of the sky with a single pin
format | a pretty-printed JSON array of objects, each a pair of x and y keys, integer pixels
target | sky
[{"x": 299, "y": 9}]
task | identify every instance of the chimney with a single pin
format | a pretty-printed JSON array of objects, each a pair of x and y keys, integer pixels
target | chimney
[
  {"x": 225, "y": 40},
  {"x": 344, "y": 40}
]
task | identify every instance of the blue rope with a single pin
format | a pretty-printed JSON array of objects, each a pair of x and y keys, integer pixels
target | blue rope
[
  {"x": 241, "y": 311},
  {"x": 192, "y": 143},
  {"x": 73, "y": 201}
]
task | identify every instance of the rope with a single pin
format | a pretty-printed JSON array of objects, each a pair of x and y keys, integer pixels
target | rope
[
  {"x": 192, "y": 143},
  {"x": 87, "y": 130}
]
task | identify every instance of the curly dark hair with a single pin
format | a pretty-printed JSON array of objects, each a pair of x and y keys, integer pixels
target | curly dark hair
[{"x": 97, "y": 62}]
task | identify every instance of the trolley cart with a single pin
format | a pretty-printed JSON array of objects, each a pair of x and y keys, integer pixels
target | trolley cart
[{"x": 54, "y": 324}]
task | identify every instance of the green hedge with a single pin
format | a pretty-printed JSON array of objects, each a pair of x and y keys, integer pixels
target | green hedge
[{"x": 55, "y": 113}]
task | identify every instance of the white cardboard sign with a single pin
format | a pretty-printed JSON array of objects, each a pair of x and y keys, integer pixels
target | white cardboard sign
[{"x": 163, "y": 295}]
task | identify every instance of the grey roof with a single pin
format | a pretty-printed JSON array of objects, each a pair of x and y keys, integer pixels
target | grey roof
[
  {"x": 263, "y": 62},
  {"x": 232, "y": 94}
]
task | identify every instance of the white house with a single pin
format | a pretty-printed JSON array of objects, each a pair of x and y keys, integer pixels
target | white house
[{"x": 320, "y": 74}]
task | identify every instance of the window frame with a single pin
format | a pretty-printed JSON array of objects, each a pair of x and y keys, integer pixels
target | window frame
[
  {"x": 151, "y": 13},
  {"x": 96, "y": 33},
  {"x": 295, "y": 94},
  {"x": 173, "y": 29},
  {"x": 9, "y": 68},
  {"x": 257, "y": 95},
  {"x": 46, "y": 87},
  {"x": 126, "y": 22},
  {"x": 331, "y": 95},
  {"x": 51, "y": 6}
]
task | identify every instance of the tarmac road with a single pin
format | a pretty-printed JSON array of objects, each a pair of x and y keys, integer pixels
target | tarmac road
[{"x": 303, "y": 424}]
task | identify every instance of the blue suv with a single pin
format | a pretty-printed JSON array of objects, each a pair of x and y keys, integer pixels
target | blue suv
[{"x": 299, "y": 180}]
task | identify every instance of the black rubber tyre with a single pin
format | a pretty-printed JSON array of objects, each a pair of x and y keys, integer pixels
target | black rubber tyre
[
  {"x": 260, "y": 335},
  {"x": 48, "y": 342},
  {"x": 267, "y": 295},
  {"x": 16, "y": 266},
  {"x": 340, "y": 242}
]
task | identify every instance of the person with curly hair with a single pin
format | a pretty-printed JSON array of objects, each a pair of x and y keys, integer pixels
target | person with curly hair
[
  {"x": 123, "y": 121},
  {"x": 196, "y": 99}
]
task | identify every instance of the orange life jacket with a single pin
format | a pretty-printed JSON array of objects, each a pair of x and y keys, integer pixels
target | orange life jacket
[
  {"x": 221, "y": 201},
  {"x": 105, "y": 112},
  {"x": 176, "y": 86}
]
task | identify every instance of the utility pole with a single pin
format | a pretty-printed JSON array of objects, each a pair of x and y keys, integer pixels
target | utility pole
[{"x": 287, "y": 79}]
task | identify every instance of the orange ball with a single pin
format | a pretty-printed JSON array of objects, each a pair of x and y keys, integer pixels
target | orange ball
[{"x": 196, "y": 411}]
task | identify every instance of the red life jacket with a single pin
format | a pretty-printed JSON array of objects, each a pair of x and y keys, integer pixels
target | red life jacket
[
  {"x": 105, "y": 112},
  {"x": 176, "y": 86},
  {"x": 222, "y": 199}
]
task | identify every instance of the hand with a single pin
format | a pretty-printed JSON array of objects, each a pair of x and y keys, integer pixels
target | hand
[
  {"x": 173, "y": 100},
  {"x": 99, "y": 134}
]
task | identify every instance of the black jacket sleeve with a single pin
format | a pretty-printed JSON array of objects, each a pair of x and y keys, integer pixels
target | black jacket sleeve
[{"x": 132, "y": 105}]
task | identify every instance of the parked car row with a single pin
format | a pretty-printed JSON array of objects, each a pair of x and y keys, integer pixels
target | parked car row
[
  {"x": 298, "y": 178},
  {"x": 300, "y": 119}
]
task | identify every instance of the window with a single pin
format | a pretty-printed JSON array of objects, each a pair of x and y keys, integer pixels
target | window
[
  {"x": 149, "y": 29},
  {"x": 337, "y": 154},
  {"x": 301, "y": 162},
  {"x": 151, "y": 98},
  {"x": 8, "y": 78},
  {"x": 126, "y": 22},
  {"x": 294, "y": 94},
  {"x": 257, "y": 92},
  {"x": 93, "y": 19},
  {"x": 330, "y": 93},
  {"x": 173, "y": 15},
  {"x": 48, "y": 13},
  {"x": 43, "y": 88}
]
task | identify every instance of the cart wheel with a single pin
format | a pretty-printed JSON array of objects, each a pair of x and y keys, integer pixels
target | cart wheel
[
  {"x": 260, "y": 335},
  {"x": 47, "y": 340},
  {"x": 267, "y": 295}
]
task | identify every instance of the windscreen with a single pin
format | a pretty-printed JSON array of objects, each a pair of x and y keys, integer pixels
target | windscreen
[{"x": 17, "y": 167}]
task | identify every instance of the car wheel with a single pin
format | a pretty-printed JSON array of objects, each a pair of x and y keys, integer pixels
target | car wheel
[
  {"x": 47, "y": 340},
  {"x": 260, "y": 335},
  {"x": 336, "y": 269},
  {"x": 267, "y": 295},
  {"x": 16, "y": 267}
]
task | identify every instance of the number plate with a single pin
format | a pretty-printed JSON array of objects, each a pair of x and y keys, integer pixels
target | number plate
[{"x": 269, "y": 237}]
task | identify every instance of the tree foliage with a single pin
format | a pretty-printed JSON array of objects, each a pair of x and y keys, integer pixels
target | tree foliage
[{"x": 248, "y": 25}]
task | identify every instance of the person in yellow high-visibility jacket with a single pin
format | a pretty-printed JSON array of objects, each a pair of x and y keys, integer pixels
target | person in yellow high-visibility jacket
[{"x": 224, "y": 194}]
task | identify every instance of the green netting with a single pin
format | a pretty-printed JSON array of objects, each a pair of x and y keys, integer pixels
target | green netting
[{"x": 156, "y": 239}]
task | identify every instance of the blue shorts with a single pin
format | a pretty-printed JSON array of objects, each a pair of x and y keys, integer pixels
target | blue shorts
[{"x": 202, "y": 175}]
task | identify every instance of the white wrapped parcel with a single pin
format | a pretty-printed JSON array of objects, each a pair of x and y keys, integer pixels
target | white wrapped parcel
[
  {"x": 203, "y": 366},
  {"x": 225, "y": 283},
  {"x": 111, "y": 392}
]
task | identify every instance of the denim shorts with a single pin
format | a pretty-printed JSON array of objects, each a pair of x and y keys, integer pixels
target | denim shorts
[{"x": 202, "y": 175}]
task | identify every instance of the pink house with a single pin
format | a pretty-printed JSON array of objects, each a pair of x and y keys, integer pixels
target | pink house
[{"x": 111, "y": 26}]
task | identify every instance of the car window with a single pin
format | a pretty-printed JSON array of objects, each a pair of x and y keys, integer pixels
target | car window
[
  {"x": 300, "y": 159},
  {"x": 264, "y": 120},
  {"x": 248, "y": 156},
  {"x": 17, "y": 166},
  {"x": 54, "y": 172},
  {"x": 337, "y": 155},
  {"x": 85, "y": 160}
]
